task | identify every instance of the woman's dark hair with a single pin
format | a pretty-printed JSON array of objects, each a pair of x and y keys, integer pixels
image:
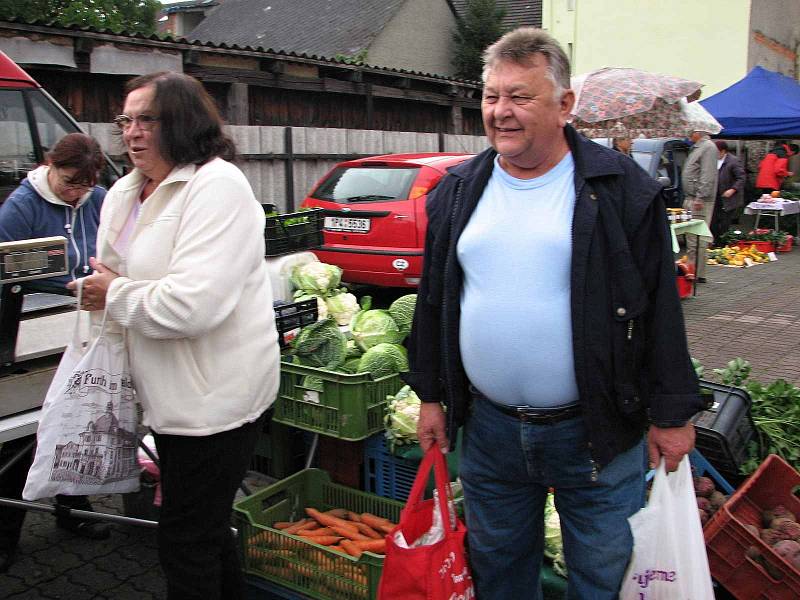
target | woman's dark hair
[
  {"x": 191, "y": 126},
  {"x": 780, "y": 152},
  {"x": 721, "y": 145},
  {"x": 80, "y": 152}
]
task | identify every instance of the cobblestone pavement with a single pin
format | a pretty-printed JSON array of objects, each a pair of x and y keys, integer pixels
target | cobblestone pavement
[{"x": 753, "y": 313}]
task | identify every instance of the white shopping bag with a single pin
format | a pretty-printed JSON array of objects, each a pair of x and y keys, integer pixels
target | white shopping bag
[
  {"x": 86, "y": 441},
  {"x": 669, "y": 559}
]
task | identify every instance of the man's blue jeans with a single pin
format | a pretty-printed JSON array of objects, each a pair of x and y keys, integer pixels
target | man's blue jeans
[{"x": 506, "y": 469}]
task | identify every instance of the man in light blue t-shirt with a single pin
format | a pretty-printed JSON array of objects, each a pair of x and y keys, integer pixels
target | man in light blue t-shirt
[{"x": 549, "y": 325}]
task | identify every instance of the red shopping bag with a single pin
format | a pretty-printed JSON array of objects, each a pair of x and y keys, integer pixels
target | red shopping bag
[{"x": 437, "y": 571}]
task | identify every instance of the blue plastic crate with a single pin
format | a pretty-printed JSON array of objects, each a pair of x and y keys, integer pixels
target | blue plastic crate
[
  {"x": 384, "y": 474},
  {"x": 391, "y": 476},
  {"x": 701, "y": 467}
]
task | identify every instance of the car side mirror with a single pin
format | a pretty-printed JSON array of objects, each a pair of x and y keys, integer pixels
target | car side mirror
[{"x": 664, "y": 181}]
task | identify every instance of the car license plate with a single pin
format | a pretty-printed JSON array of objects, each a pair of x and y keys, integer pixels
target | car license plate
[{"x": 347, "y": 224}]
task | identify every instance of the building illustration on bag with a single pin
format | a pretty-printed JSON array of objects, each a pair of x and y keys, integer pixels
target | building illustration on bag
[{"x": 103, "y": 452}]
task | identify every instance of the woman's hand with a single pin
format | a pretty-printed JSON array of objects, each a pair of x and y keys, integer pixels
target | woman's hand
[{"x": 95, "y": 286}]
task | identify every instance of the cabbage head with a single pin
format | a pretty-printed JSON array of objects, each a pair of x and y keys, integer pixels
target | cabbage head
[
  {"x": 401, "y": 418},
  {"x": 353, "y": 351},
  {"x": 321, "y": 344},
  {"x": 342, "y": 307},
  {"x": 375, "y": 326},
  {"x": 383, "y": 359},
  {"x": 350, "y": 365},
  {"x": 402, "y": 311},
  {"x": 316, "y": 277},
  {"x": 553, "y": 547}
]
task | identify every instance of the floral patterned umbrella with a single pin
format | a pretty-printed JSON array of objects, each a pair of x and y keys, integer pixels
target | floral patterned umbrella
[{"x": 611, "y": 100}]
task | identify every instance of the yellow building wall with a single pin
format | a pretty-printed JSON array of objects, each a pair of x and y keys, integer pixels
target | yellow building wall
[{"x": 703, "y": 40}]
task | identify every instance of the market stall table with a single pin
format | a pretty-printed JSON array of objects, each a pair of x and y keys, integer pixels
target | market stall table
[
  {"x": 696, "y": 227},
  {"x": 779, "y": 208}
]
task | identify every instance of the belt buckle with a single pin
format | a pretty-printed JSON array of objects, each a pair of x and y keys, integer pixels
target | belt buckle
[
  {"x": 528, "y": 417},
  {"x": 543, "y": 418}
]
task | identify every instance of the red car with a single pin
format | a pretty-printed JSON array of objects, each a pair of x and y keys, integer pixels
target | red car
[{"x": 375, "y": 217}]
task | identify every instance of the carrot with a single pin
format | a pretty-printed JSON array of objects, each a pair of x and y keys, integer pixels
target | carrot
[
  {"x": 284, "y": 524},
  {"x": 337, "y": 548},
  {"x": 368, "y": 531},
  {"x": 323, "y": 540},
  {"x": 375, "y": 521},
  {"x": 329, "y": 520},
  {"x": 316, "y": 532},
  {"x": 386, "y": 528},
  {"x": 349, "y": 533},
  {"x": 309, "y": 526},
  {"x": 337, "y": 512},
  {"x": 377, "y": 546},
  {"x": 351, "y": 548},
  {"x": 351, "y": 516},
  {"x": 297, "y": 525}
]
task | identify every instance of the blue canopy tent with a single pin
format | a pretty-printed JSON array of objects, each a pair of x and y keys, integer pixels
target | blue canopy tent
[{"x": 763, "y": 105}]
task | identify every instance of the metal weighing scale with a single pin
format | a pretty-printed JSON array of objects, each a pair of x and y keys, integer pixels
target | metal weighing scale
[{"x": 24, "y": 380}]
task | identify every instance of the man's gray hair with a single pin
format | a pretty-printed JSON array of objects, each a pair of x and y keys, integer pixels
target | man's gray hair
[{"x": 520, "y": 45}]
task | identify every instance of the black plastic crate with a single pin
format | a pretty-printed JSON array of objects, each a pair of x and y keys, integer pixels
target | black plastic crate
[
  {"x": 291, "y": 317},
  {"x": 725, "y": 429},
  {"x": 292, "y": 232}
]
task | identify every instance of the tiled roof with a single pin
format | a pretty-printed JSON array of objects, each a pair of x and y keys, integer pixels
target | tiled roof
[
  {"x": 187, "y": 6},
  {"x": 316, "y": 27},
  {"x": 182, "y": 42},
  {"x": 519, "y": 13}
]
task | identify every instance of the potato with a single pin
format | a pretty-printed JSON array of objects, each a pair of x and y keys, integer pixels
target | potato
[
  {"x": 779, "y": 512},
  {"x": 703, "y": 486}
]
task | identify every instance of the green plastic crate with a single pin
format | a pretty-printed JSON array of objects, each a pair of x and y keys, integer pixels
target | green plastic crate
[
  {"x": 279, "y": 451},
  {"x": 297, "y": 563},
  {"x": 345, "y": 406}
]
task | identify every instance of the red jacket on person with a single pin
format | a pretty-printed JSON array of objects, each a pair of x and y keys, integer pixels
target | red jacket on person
[{"x": 771, "y": 171}]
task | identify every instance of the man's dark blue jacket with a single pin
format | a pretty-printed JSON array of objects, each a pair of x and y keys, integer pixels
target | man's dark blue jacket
[{"x": 632, "y": 363}]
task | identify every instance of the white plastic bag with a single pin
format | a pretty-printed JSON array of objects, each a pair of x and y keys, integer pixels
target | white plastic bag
[
  {"x": 436, "y": 533},
  {"x": 669, "y": 559},
  {"x": 86, "y": 440}
]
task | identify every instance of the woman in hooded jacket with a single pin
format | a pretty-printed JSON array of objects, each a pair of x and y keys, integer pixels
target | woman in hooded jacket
[
  {"x": 773, "y": 169},
  {"x": 59, "y": 198}
]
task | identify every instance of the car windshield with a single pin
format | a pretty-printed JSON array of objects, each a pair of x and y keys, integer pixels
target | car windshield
[{"x": 367, "y": 184}]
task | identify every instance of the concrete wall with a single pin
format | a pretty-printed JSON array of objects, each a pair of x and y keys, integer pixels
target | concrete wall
[
  {"x": 775, "y": 36},
  {"x": 704, "y": 41},
  {"x": 268, "y": 175},
  {"x": 418, "y": 38}
]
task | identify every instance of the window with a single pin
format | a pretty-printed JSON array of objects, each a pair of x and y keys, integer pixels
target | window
[
  {"x": 367, "y": 184},
  {"x": 17, "y": 156},
  {"x": 51, "y": 123}
]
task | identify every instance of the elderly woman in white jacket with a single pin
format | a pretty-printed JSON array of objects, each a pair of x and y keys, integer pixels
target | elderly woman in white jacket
[{"x": 181, "y": 268}]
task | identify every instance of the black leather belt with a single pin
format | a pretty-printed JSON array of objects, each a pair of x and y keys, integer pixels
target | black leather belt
[{"x": 539, "y": 416}]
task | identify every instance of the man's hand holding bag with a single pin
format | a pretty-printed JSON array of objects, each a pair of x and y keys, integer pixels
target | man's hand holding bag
[{"x": 425, "y": 553}]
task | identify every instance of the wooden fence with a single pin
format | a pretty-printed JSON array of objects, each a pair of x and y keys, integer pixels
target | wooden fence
[{"x": 284, "y": 163}]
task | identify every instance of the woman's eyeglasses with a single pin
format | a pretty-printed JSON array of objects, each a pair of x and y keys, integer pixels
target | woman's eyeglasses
[
  {"x": 146, "y": 122},
  {"x": 69, "y": 185}
]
